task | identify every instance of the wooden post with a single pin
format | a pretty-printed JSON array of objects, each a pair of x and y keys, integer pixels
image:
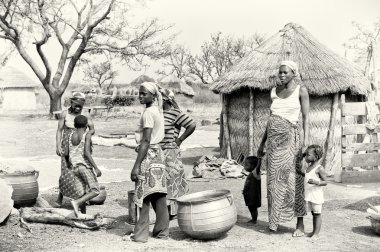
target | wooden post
[
  {"x": 250, "y": 123},
  {"x": 338, "y": 173},
  {"x": 329, "y": 144},
  {"x": 226, "y": 131}
]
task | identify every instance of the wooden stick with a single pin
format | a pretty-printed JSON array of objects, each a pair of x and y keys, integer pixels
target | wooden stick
[
  {"x": 329, "y": 143},
  {"x": 250, "y": 123},
  {"x": 225, "y": 126}
]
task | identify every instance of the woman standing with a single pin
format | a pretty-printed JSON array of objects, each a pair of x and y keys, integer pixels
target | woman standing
[
  {"x": 68, "y": 186},
  {"x": 284, "y": 184},
  {"x": 175, "y": 119},
  {"x": 148, "y": 172}
]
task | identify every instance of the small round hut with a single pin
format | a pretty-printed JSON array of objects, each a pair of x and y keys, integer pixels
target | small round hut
[
  {"x": 184, "y": 93},
  {"x": 246, "y": 93},
  {"x": 18, "y": 91}
]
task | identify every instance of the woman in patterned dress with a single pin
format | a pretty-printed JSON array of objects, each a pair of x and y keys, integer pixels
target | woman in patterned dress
[
  {"x": 175, "y": 119},
  {"x": 284, "y": 148},
  {"x": 68, "y": 186},
  {"x": 148, "y": 172}
]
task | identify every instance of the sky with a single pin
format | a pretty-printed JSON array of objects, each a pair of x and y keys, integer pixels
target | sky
[{"x": 330, "y": 21}]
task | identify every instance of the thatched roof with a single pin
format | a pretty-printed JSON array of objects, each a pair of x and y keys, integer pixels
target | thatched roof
[
  {"x": 176, "y": 85},
  {"x": 141, "y": 79},
  {"x": 13, "y": 78},
  {"x": 323, "y": 72}
]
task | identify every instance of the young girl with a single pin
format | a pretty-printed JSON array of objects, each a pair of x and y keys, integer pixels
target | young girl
[
  {"x": 148, "y": 172},
  {"x": 82, "y": 164},
  {"x": 315, "y": 178}
]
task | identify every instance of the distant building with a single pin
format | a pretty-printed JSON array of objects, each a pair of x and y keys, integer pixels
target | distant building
[{"x": 17, "y": 90}]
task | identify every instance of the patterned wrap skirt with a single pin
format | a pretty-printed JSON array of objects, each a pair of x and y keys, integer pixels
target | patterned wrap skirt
[
  {"x": 151, "y": 178},
  {"x": 175, "y": 175},
  {"x": 285, "y": 186},
  {"x": 74, "y": 182}
]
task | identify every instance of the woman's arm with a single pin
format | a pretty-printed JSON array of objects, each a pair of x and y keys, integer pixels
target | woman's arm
[
  {"x": 142, "y": 151},
  {"x": 88, "y": 156},
  {"x": 58, "y": 136},
  {"x": 260, "y": 151},
  {"x": 188, "y": 131},
  {"x": 90, "y": 126},
  {"x": 304, "y": 99}
]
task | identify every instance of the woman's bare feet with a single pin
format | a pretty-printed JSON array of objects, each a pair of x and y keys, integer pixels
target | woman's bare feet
[
  {"x": 75, "y": 207},
  {"x": 298, "y": 233}
]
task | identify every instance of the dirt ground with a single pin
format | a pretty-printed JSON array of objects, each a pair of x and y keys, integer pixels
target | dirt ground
[{"x": 344, "y": 228}]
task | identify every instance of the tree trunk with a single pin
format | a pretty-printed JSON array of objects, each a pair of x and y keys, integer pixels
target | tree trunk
[{"x": 55, "y": 103}]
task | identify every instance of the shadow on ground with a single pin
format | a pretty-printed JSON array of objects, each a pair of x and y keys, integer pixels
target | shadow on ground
[{"x": 362, "y": 205}]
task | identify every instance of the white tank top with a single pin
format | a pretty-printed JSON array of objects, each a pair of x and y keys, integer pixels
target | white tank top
[
  {"x": 313, "y": 193},
  {"x": 288, "y": 108}
]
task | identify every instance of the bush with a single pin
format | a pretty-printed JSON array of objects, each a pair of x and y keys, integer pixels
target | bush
[
  {"x": 204, "y": 95},
  {"x": 124, "y": 100}
]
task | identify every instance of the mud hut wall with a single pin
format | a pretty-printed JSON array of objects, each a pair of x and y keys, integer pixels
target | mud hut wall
[{"x": 238, "y": 117}]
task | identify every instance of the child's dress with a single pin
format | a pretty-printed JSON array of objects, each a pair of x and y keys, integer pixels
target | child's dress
[{"x": 313, "y": 193}]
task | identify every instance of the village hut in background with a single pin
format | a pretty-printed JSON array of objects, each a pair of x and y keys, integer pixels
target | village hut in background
[
  {"x": 133, "y": 88},
  {"x": 246, "y": 93},
  {"x": 184, "y": 93},
  {"x": 17, "y": 90}
]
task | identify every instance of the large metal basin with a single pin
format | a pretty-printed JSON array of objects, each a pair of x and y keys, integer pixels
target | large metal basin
[{"x": 206, "y": 215}]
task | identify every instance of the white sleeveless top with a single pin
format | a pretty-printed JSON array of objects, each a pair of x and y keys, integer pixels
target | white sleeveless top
[
  {"x": 313, "y": 193},
  {"x": 288, "y": 108},
  {"x": 76, "y": 152}
]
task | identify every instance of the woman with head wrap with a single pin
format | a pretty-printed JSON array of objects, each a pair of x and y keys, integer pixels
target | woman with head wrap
[
  {"x": 67, "y": 186},
  {"x": 175, "y": 120},
  {"x": 284, "y": 143},
  {"x": 148, "y": 172}
]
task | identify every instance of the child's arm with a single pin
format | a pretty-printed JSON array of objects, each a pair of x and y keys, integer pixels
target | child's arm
[
  {"x": 258, "y": 166},
  {"x": 88, "y": 156},
  {"x": 323, "y": 176}
]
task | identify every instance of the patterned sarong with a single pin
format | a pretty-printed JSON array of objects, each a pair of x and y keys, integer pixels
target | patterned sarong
[
  {"x": 175, "y": 175},
  {"x": 151, "y": 178},
  {"x": 284, "y": 185}
]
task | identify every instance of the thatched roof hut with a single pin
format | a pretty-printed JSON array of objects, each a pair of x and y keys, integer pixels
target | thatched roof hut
[
  {"x": 184, "y": 93},
  {"x": 141, "y": 79},
  {"x": 246, "y": 91},
  {"x": 17, "y": 90}
]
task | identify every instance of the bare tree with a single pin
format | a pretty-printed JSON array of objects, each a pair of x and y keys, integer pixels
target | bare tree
[
  {"x": 79, "y": 26},
  {"x": 364, "y": 44},
  {"x": 100, "y": 73},
  {"x": 177, "y": 62},
  {"x": 219, "y": 54}
]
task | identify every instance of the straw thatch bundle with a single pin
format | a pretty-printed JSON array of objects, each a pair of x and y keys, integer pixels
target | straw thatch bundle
[
  {"x": 246, "y": 88},
  {"x": 177, "y": 85},
  {"x": 141, "y": 79},
  {"x": 323, "y": 72}
]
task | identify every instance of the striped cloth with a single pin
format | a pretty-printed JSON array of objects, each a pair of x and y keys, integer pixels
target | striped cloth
[
  {"x": 175, "y": 119},
  {"x": 284, "y": 185}
]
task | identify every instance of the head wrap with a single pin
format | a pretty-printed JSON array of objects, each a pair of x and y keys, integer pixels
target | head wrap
[
  {"x": 292, "y": 65},
  {"x": 78, "y": 98},
  {"x": 168, "y": 95},
  {"x": 153, "y": 89}
]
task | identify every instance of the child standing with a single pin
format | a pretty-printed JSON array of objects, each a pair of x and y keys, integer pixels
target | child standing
[
  {"x": 252, "y": 186},
  {"x": 315, "y": 178},
  {"x": 82, "y": 164}
]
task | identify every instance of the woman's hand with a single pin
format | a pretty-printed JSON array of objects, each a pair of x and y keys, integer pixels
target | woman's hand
[
  {"x": 98, "y": 172},
  {"x": 178, "y": 142},
  {"x": 134, "y": 174},
  {"x": 59, "y": 150}
]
